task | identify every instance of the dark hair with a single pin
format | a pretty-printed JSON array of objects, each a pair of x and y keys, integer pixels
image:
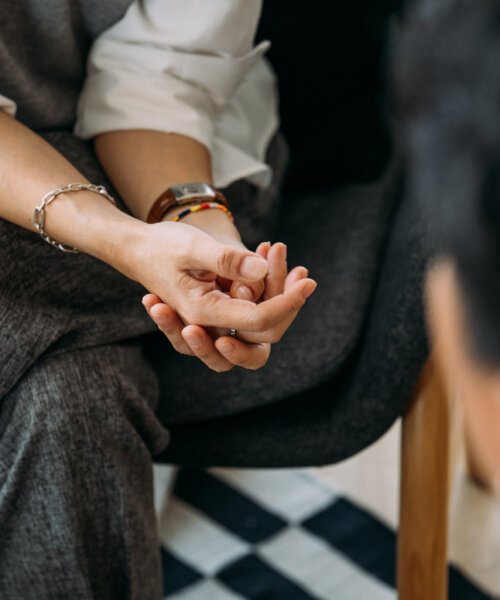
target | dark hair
[{"x": 448, "y": 96}]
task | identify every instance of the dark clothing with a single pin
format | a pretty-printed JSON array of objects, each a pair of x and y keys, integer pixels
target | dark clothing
[{"x": 451, "y": 127}]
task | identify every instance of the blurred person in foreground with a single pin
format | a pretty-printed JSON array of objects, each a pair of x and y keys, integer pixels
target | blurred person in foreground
[{"x": 449, "y": 90}]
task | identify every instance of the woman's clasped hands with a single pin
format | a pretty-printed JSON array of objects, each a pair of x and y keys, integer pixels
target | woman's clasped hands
[{"x": 213, "y": 283}]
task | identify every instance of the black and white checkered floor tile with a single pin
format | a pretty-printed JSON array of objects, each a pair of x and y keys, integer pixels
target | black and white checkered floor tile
[{"x": 231, "y": 534}]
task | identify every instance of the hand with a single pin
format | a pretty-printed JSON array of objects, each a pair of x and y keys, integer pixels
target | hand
[
  {"x": 180, "y": 264},
  {"x": 223, "y": 353},
  {"x": 222, "y": 229}
]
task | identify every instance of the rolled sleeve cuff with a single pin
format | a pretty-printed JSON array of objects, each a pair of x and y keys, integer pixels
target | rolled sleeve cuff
[
  {"x": 118, "y": 101},
  {"x": 178, "y": 92}
]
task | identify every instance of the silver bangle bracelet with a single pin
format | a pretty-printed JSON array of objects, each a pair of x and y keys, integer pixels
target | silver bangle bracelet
[{"x": 39, "y": 214}]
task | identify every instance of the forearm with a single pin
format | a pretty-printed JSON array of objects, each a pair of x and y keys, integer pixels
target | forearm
[
  {"x": 142, "y": 164},
  {"x": 29, "y": 168},
  {"x": 176, "y": 262}
]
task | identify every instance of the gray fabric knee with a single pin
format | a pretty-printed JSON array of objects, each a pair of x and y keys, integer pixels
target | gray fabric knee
[{"x": 76, "y": 509}]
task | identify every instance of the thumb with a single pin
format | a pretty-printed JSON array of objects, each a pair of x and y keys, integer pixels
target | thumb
[{"x": 230, "y": 262}]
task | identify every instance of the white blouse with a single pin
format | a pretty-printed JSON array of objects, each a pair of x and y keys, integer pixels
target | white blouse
[{"x": 187, "y": 67}]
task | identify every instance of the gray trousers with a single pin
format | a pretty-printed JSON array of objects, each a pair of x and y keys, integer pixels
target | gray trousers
[
  {"x": 90, "y": 395},
  {"x": 76, "y": 504}
]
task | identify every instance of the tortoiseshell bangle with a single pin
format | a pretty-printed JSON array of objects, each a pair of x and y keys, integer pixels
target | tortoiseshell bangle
[{"x": 203, "y": 206}]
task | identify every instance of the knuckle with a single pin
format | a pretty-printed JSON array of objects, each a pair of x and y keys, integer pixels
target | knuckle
[{"x": 225, "y": 260}]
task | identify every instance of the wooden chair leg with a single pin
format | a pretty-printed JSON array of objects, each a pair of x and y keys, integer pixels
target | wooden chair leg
[{"x": 422, "y": 571}]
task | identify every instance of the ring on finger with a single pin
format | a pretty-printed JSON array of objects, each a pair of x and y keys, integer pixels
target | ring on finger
[{"x": 232, "y": 332}]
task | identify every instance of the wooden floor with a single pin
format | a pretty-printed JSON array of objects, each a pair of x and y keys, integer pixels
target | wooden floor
[{"x": 372, "y": 479}]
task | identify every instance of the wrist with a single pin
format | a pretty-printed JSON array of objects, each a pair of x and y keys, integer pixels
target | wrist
[
  {"x": 214, "y": 222},
  {"x": 92, "y": 224}
]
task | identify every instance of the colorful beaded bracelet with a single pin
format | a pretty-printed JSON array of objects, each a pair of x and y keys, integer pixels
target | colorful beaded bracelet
[{"x": 203, "y": 206}]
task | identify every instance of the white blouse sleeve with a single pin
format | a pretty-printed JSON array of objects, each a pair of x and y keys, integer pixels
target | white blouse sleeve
[
  {"x": 9, "y": 106},
  {"x": 175, "y": 66}
]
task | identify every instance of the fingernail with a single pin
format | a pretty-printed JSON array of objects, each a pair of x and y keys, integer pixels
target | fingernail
[
  {"x": 309, "y": 289},
  {"x": 243, "y": 292},
  {"x": 253, "y": 268},
  {"x": 284, "y": 250},
  {"x": 227, "y": 347}
]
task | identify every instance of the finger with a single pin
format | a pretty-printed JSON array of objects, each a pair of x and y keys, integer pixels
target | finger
[
  {"x": 277, "y": 271},
  {"x": 284, "y": 306},
  {"x": 247, "y": 291},
  {"x": 276, "y": 333},
  {"x": 296, "y": 274},
  {"x": 271, "y": 336},
  {"x": 202, "y": 346},
  {"x": 149, "y": 300},
  {"x": 249, "y": 356},
  {"x": 169, "y": 324},
  {"x": 225, "y": 284},
  {"x": 263, "y": 249},
  {"x": 219, "y": 310},
  {"x": 254, "y": 290},
  {"x": 227, "y": 261}
]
